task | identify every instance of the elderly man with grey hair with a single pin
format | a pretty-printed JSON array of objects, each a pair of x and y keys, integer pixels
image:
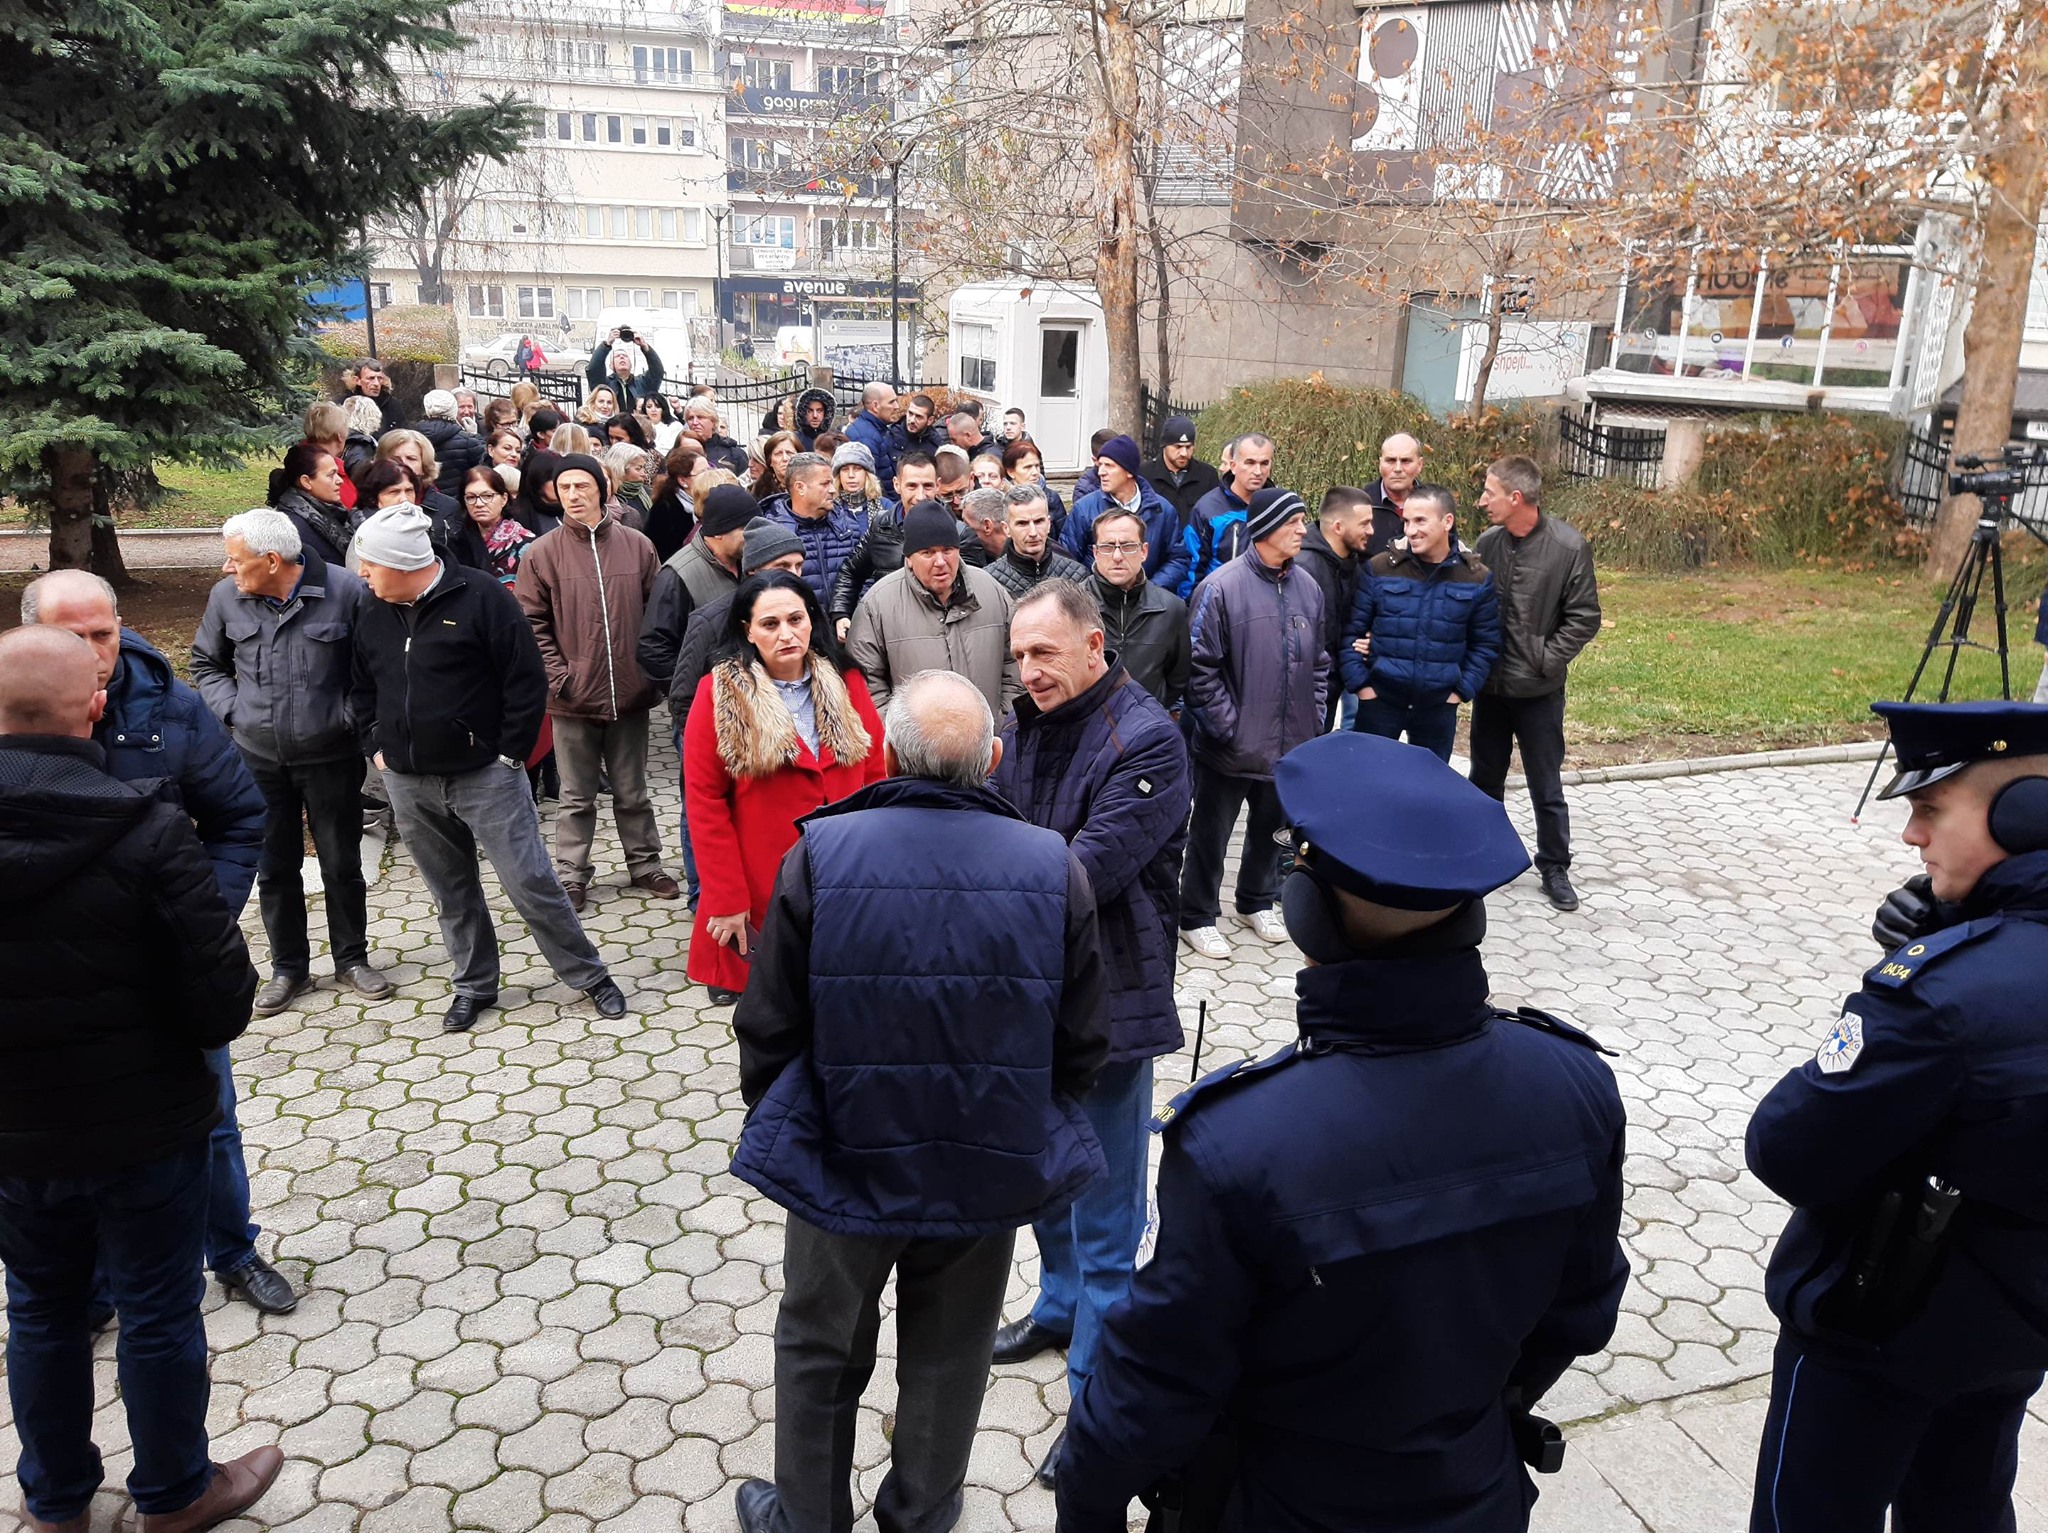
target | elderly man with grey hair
[
  {"x": 900, "y": 1140},
  {"x": 272, "y": 659}
]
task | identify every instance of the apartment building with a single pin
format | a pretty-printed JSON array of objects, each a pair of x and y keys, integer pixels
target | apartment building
[{"x": 619, "y": 195}]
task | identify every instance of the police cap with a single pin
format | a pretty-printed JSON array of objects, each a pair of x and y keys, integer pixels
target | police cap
[
  {"x": 1393, "y": 824},
  {"x": 1937, "y": 740}
]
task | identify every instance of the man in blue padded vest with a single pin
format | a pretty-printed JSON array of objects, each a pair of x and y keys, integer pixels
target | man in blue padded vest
[
  {"x": 926, "y": 1004},
  {"x": 1378, "y": 1248},
  {"x": 1911, "y": 1284}
]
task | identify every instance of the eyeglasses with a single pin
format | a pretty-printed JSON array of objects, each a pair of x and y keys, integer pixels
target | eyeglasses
[
  {"x": 481, "y": 498},
  {"x": 1120, "y": 550}
]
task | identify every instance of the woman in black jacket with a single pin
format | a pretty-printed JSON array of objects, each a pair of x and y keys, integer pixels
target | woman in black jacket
[{"x": 307, "y": 488}]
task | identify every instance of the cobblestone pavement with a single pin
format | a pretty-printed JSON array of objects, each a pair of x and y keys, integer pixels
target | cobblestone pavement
[{"x": 535, "y": 1299}]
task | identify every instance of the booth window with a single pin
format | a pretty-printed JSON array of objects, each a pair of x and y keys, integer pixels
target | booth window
[
  {"x": 976, "y": 345},
  {"x": 1059, "y": 364}
]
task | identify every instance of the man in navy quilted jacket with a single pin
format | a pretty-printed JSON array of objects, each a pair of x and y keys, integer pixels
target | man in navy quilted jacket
[
  {"x": 1424, "y": 630},
  {"x": 911, "y": 1111}
]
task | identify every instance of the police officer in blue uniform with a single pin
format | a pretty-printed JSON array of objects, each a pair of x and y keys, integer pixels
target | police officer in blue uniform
[
  {"x": 1911, "y": 1284},
  {"x": 1378, "y": 1247}
]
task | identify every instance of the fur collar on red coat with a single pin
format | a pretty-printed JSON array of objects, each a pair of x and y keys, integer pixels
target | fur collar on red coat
[{"x": 757, "y": 736}]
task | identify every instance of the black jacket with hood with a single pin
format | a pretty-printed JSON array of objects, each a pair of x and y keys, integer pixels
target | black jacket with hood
[{"x": 122, "y": 966}]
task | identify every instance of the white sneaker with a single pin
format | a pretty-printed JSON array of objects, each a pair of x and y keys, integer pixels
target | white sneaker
[
  {"x": 1207, "y": 941},
  {"x": 1268, "y": 924}
]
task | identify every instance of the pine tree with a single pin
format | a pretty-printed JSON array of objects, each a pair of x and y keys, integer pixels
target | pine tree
[{"x": 178, "y": 178}]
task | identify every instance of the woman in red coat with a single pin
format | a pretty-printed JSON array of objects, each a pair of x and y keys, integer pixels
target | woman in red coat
[{"x": 782, "y": 725}]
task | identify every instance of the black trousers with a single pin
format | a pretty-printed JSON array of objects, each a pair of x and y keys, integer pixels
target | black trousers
[
  {"x": 328, "y": 794},
  {"x": 1840, "y": 1445},
  {"x": 949, "y": 1301},
  {"x": 1218, "y": 798},
  {"x": 1537, "y": 725}
]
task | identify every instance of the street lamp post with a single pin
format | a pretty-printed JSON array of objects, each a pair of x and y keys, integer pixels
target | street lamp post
[
  {"x": 718, "y": 217},
  {"x": 893, "y": 152}
]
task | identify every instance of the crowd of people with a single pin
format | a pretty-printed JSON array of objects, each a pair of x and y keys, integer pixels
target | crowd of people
[{"x": 924, "y": 711}]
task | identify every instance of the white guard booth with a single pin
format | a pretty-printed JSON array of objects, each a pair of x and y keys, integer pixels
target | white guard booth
[{"x": 1040, "y": 346}]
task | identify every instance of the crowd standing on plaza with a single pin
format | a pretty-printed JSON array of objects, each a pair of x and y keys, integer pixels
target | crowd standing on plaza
[{"x": 961, "y": 764}]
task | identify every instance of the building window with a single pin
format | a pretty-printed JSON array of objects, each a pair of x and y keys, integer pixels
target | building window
[
  {"x": 639, "y": 130},
  {"x": 975, "y": 345},
  {"x": 668, "y": 224},
  {"x": 662, "y": 66},
  {"x": 773, "y": 230},
  {"x": 693, "y": 226},
  {"x": 565, "y": 126},
  {"x": 614, "y": 129},
  {"x": 763, "y": 74},
  {"x": 380, "y": 295},
  {"x": 536, "y": 303},
  {"x": 590, "y": 127},
  {"x": 664, "y": 133},
  {"x": 619, "y": 224},
  {"x": 686, "y": 134},
  {"x": 583, "y": 302},
  {"x": 643, "y": 223},
  {"x": 672, "y": 298},
  {"x": 847, "y": 80},
  {"x": 486, "y": 301},
  {"x": 633, "y": 297}
]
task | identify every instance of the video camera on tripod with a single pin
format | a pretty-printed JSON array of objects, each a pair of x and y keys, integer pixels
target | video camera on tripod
[{"x": 1999, "y": 478}]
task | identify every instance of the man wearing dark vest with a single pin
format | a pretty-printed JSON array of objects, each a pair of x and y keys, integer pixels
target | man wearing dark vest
[{"x": 901, "y": 1136}]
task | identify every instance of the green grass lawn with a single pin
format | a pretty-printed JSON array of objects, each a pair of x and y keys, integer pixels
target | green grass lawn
[
  {"x": 1767, "y": 658},
  {"x": 200, "y": 497}
]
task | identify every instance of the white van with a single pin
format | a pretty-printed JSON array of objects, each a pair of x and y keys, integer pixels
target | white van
[{"x": 667, "y": 330}]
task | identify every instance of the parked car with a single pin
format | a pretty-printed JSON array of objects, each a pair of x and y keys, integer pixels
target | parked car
[{"x": 499, "y": 357}]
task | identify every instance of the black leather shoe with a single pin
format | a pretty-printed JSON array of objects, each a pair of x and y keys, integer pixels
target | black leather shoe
[
  {"x": 1022, "y": 1340},
  {"x": 719, "y": 997},
  {"x": 1049, "y": 1467},
  {"x": 262, "y": 1285},
  {"x": 464, "y": 1010},
  {"x": 611, "y": 1001},
  {"x": 756, "y": 1503},
  {"x": 1558, "y": 889},
  {"x": 278, "y": 992}
]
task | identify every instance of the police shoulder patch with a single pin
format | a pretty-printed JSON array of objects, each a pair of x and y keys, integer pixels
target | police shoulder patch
[
  {"x": 1844, "y": 1042},
  {"x": 1231, "y": 1074},
  {"x": 1903, "y": 964}
]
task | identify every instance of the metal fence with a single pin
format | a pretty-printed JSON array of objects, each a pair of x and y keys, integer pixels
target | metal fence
[
  {"x": 1920, "y": 481},
  {"x": 744, "y": 403},
  {"x": 1631, "y": 453},
  {"x": 563, "y": 388},
  {"x": 1153, "y": 411},
  {"x": 847, "y": 387}
]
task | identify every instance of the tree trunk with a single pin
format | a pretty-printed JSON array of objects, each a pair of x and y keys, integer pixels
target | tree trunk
[
  {"x": 1162, "y": 332},
  {"x": 107, "y": 561},
  {"x": 1112, "y": 147},
  {"x": 73, "y": 474},
  {"x": 2016, "y": 175},
  {"x": 1482, "y": 374}
]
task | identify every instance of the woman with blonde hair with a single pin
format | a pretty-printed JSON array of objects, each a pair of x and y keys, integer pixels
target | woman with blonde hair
[
  {"x": 781, "y": 726},
  {"x": 525, "y": 398},
  {"x": 600, "y": 407},
  {"x": 413, "y": 450},
  {"x": 569, "y": 437}
]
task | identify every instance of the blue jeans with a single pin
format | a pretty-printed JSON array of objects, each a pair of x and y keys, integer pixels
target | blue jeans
[
  {"x": 1086, "y": 1254},
  {"x": 145, "y": 1224},
  {"x": 230, "y": 1232},
  {"x": 1433, "y": 726}
]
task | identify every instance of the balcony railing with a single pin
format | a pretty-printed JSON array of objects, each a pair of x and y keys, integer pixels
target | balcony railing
[
  {"x": 792, "y": 182},
  {"x": 776, "y": 258}
]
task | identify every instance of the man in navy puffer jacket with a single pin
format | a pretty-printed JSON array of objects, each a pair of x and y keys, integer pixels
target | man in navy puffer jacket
[
  {"x": 925, "y": 1005},
  {"x": 1424, "y": 630},
  {"x": 1092, "y": 756}
]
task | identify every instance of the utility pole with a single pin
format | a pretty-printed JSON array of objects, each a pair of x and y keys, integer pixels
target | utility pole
[
  {"x": 369, "y": 297},
  {"x": 718, "y": 217},
  {"x": 893, "y": 152}
]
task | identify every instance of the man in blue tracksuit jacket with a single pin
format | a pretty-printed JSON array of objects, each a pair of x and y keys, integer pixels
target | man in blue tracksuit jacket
[
  {"x": 1429, "y": 618},
  {"x": 1215, "y": 530}
]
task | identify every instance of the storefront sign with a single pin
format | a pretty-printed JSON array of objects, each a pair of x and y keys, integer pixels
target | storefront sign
[{"x": 816, "y": 287}]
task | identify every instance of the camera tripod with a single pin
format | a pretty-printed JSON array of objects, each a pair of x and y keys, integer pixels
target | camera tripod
[{"x": 1958, "y": 611}]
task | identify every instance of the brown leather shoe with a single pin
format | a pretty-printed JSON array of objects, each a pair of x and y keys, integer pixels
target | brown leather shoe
[
  {"x": 578, "y": 896},
  {"x": 82, "y": 1523},
  {"x": 236, "y": 1487},
  {"x": 660, "y": 885}
]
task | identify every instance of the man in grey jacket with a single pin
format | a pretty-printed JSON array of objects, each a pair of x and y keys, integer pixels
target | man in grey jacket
[
  {"x": 272, "y": 659},
  {"x": 1257, "y": 689},
  {"x": 1549, "y": 611},
  {"x": 935, "y": 614}
]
